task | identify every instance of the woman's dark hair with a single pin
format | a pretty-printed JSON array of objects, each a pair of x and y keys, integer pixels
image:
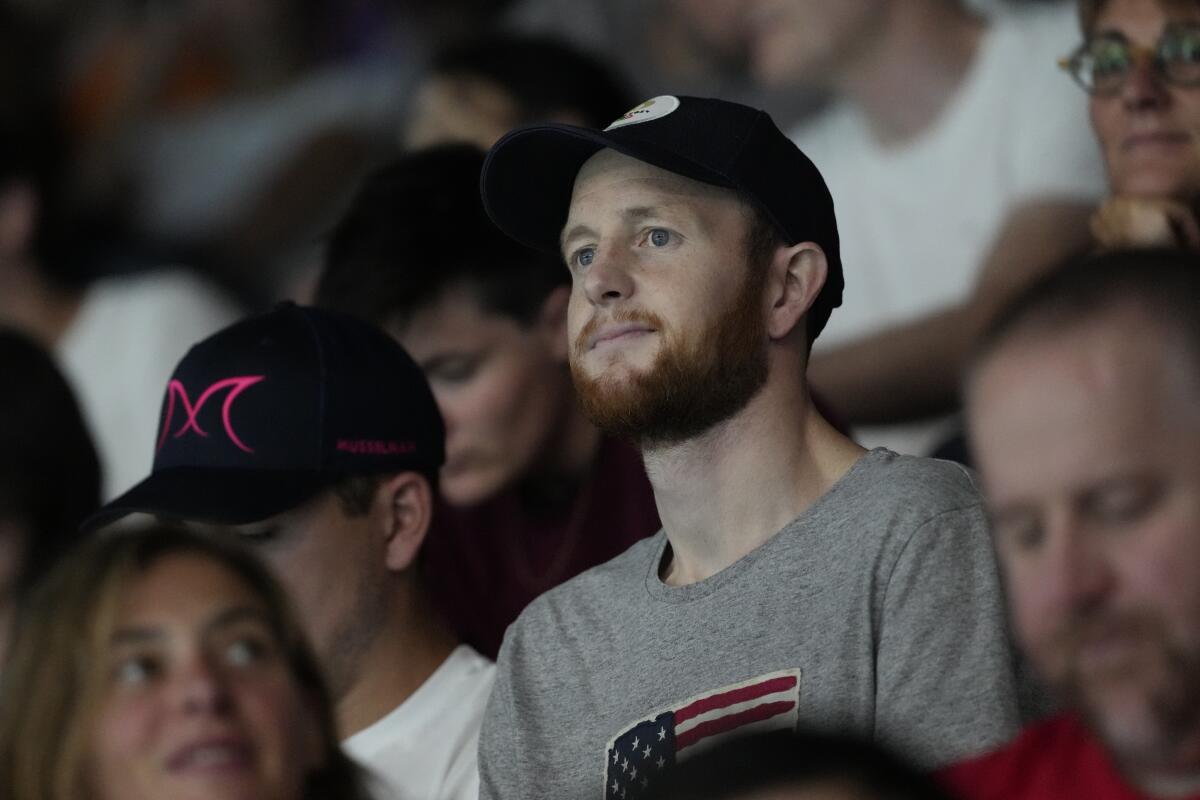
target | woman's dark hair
[{"x": 49, "y": 471}]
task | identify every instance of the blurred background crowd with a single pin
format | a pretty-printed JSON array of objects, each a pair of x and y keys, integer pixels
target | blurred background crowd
[
  {"x": 168, "y": 167},
  {"x": 187, "y": 159}
]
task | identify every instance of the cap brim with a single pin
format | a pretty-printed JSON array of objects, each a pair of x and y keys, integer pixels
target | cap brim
[
  {"x": 226, "y": 497},
  {"x": 529, "y": 174}
]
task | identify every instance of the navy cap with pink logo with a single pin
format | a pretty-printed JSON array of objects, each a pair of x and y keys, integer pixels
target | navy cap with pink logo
[{"x": 262, "y": 415}]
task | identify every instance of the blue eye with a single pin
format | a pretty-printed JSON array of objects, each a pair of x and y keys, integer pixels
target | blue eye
[
  {"x": 660, "y": 237},
  {"x": 585, "y": 256}
]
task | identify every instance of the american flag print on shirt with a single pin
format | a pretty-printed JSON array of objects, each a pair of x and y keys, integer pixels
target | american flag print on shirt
[{"x": 644, "y": 752}]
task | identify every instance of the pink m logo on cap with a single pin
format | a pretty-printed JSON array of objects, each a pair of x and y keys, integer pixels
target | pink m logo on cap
[{"x": 236, "y": 387}]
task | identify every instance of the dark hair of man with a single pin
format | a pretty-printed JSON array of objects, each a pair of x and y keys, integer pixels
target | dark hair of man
[
  {"x": 1163, "y": 283},
  {"x": 762, "y": 239},
  {"x": 782, "y": 760},
  {"x": 417, "y": 228},
  {"x": 545, "y": 76},
  {"x": 49, "y": 471},
  {"x": 355, "y": 493}
]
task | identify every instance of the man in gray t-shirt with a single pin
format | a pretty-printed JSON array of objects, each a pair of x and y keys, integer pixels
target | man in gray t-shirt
[{"x": 798, "y": 579}]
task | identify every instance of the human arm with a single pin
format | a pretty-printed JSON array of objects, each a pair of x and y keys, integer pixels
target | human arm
[
  {"x": 946, "y": 678},
  {"x": 910, "y": 371},
  {"x": 527, "y": 746}
]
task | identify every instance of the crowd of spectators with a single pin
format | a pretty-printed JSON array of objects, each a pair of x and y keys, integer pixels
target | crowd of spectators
[{"x": 600, "y": 399}]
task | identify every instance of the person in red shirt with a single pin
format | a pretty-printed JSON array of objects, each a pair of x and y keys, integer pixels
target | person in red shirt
[{"x": 1083, "y": 408}]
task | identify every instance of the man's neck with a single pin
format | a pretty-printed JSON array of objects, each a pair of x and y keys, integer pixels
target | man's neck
[
  {"x": 912, "y": 70},
  {"x": 402, "y": 657},
  {"x": 723, "y": 494}
]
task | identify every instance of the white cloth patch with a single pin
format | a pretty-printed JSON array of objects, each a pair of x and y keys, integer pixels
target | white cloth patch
[{"x": 654, "y": 108}]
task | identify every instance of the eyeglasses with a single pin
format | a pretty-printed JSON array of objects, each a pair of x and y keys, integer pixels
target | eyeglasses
[{"x": 1102, "y": 63}]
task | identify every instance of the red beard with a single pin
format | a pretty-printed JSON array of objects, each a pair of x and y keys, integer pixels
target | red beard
[{"x": 695, "y": 382}]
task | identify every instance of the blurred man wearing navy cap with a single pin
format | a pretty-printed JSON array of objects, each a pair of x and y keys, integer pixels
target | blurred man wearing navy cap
[
  {"x": 315, "y": 437},
  {"x": 798, "y": 579}
]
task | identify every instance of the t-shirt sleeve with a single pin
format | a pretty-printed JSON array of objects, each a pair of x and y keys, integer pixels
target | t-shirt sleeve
[
  {"x": 946, "y": 679},
  {"x": 513, "y": 743}
]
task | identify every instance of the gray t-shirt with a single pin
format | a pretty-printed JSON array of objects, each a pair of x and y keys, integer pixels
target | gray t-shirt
[{"x": 877, "y": 611}]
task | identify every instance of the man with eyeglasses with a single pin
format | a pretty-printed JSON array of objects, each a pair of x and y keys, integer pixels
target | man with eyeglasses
[{"x": 1140, "y": 64}]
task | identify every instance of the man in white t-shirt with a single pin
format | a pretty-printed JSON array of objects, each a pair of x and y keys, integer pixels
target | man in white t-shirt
[
  {"x": 313, "y": 436},
  {"x": 953, "y": 149}
]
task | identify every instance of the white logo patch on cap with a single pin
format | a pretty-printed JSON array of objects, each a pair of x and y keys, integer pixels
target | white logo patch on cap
[{"x": 654, "y": 108}]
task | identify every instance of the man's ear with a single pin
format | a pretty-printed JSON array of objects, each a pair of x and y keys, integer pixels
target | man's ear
[
  {"x": 797, "y": 274},
  {"x": 552, "y": 321},
  {"x": 408, "y": 503},
  {"x": 18, "y": 220}
]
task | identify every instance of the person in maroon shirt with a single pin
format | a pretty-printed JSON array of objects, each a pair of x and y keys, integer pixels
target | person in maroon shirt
[
  {"x": 531, "y": 493},
  {"x": 1083, "y": 407}
]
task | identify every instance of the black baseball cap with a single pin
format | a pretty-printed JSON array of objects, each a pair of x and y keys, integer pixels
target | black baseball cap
[
  {"x": 262, "y": 415},
  {"x": 530, "y": 172}
]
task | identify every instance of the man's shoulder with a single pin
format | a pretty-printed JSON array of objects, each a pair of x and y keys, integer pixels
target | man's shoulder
[
  {"x": 926, "y": 486},
  {"x": 621, "y": 573},
  {"x": 1054, "y": 758}
]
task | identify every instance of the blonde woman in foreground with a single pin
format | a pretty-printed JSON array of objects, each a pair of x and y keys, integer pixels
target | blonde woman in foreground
[{"x": 166, "y": 665}]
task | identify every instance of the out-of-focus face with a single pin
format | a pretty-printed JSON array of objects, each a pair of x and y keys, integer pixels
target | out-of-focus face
[
  {"x": 459, "y": 108},
  {"x": 503, "y": 389},
  {"x": 667, "y": 326},
  {"x": 198, "y": 699},
  {"x": 334, "y": 568},
  {"x": 1149, "y": 131},
  {"x": 809, "y": 41},
  {"x": 1088, "y": 444}
]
